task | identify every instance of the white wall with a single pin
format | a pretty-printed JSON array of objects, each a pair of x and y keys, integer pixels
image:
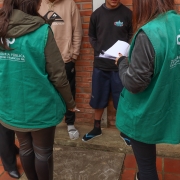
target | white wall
[{"x": 97, "y": 3}]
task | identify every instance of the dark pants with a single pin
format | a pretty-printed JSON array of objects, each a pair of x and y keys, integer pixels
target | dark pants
[
  {"x": 7, "y": 148},
  {"x": 145, "y": 155},
  {"x": 36, "y": 153},
  {"x": 70, "y": 72},
  {"x": 105, "y": 83}
]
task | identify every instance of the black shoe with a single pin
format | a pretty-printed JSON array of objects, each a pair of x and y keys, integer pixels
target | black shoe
[
  {"x": 14, "y": 174},
  {"x": 92, "y": 134},
  {"x": 125, "y": 139}
]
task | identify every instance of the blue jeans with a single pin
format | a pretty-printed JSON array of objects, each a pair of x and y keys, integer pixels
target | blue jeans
[{"x": 145, "y": 155}]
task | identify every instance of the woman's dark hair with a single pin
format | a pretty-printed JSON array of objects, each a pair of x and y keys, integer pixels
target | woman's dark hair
[
  {"x": 146, "y": 10},
  {"x": 27, "y": 6}
]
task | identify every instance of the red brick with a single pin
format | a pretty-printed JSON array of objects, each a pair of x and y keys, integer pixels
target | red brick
[
  {"x": 87, "y": 57},
  {"x": 82, "y": 95},
  {"x": 83, "y": 62},
  {"x": 160, "y": 176},
  {"x": 87, "y": 79},
  {"x": 90, "y": 110},
  {"x": 85, "y": 39},
  {"x": 88, "y": 68},
  {"x": 81, "y": 84},
  {"x": 126, "y": 2},
  {"x": 87, "y": 6},
  {"x": 86, "y": 13},
  {"x": 85, "y": 26},
  {"x": 5, "y": 176},
  {"x": 79, "y": 68},
  {"x": 171, "y": 176},
  {"x": 159, "y": 164},
  {"x": 85, "y": 51},
  {"x": 86, "y": 45},
  {"x": 86, "y": 19},
  {"x": 177, "y": 1},
  {"x": 171, "y": 165},
  {"x": 85, "y": 32},
  {"x": 128, "y": 174},
  {"x": 130, "y": 161}
]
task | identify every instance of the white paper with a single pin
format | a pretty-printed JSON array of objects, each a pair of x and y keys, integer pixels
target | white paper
[{"x": 119, "y": 47}]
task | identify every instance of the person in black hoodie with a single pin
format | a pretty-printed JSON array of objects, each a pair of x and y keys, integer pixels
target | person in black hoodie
[{"x": 112, "y": 21}]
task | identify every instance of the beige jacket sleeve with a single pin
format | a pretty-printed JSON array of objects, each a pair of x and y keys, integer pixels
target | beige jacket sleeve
[
  {"x": 77, "y": 32},
  {"x": 56, "y": 71}
]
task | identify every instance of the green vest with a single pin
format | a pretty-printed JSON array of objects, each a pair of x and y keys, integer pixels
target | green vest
[
  {"x": 27, "y": 97},
  {"x": 153, "y": 116}
]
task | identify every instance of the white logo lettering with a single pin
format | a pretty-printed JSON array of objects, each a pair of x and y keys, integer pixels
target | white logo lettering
[
  {"x": 9, "y": 41},
  {"x": 178, "y": 40}
]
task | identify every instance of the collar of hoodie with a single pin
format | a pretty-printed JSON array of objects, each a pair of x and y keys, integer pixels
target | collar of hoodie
[{"x": 51, "y": 4}]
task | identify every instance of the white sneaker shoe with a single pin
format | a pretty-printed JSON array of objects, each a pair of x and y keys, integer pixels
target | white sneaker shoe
[{"x": 73, "y": 133}]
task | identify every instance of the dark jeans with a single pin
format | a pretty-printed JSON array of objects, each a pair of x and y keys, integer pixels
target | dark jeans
[
  {"x": 145, "y": 155},
  {"x": 7, "y": 148},
  {"x": 71, "y": 73},
  {"x": 36, "y": 153}
]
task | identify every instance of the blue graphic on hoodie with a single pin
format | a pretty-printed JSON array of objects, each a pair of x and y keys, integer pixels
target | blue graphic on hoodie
[{"x": 118, "y": 23}]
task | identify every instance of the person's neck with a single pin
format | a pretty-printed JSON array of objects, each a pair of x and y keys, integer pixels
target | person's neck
[
  {"x": 105, "y": 5},
  {"x": 51, "y": 1}
]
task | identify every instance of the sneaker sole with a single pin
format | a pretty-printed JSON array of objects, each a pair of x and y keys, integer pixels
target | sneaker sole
[
  {"x": 92, "y": 138},
  {"x": 70, "y": 132},
  {"x": 125, "y": 141}
]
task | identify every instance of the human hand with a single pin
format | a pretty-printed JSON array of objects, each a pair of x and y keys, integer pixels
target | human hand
[
  {"x": 116, "y": 60},
  {"x": 74, "y": 109}
]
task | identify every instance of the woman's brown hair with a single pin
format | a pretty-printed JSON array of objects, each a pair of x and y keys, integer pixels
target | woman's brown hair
[
  {"x": 146, "y": 10},
  {"x": 27, "y": 6}
]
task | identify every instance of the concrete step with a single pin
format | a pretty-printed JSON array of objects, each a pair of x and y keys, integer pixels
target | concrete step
[{"x": 109, "y": 141}]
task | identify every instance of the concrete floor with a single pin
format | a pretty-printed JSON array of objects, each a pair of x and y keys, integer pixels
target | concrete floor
[{"x": 99, "y": 159}]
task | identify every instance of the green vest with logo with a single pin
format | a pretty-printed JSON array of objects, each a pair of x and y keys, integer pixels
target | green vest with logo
[
  {"x": 153, "y": 116},
  {"x": 27, "y": 97}
]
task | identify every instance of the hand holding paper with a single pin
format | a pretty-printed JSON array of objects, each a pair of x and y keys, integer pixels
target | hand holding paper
[{"x": 119, "y": 47}]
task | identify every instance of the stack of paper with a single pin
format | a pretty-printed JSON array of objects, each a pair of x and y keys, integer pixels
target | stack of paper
[{"x": 113, "y": 52}]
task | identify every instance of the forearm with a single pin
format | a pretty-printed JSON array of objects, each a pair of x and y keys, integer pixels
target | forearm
[{"x": 137, "y": 74}]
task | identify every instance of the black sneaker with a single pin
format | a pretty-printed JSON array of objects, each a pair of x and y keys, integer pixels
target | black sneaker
[
  {"x": 125, "y": 139},
  {"x": 92, "y": 134},
  {"x": 137, "y": 176}
]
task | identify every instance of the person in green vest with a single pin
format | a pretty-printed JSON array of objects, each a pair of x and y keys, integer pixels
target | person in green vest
[
  {"x": 34, "y": 88},
  {"x": 149, "y": 109}
]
